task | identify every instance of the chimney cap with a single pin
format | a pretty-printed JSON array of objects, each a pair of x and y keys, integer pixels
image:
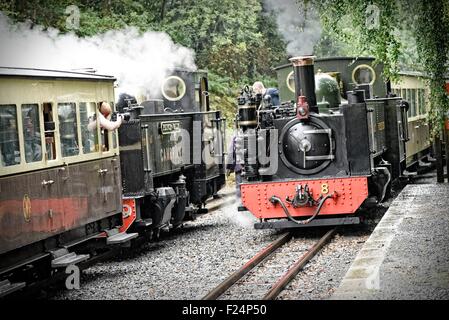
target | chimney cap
[{"x": 302, "y": 60}]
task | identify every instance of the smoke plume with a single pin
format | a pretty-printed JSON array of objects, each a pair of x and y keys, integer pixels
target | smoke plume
[
  {"x": 298, "y": 23},
  {"x": 140, "y": 62}
]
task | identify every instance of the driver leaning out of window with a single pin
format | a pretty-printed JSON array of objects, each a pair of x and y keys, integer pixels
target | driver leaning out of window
[{"x": 104, "y": 115}]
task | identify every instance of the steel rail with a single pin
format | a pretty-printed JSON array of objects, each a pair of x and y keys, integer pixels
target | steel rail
[
  {"x": 221, "y": 204},
  {"x": 258, "y": 258},
  {"x": 297, "y": 266}
]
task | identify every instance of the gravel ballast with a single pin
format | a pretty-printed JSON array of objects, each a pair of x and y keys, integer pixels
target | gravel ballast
[
  {"x": 190, "y": 262},
  {"x": 185, "y": 265}
]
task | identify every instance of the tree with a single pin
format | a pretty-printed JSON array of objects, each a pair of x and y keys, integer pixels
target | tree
[{"x": 377, "y": 28}]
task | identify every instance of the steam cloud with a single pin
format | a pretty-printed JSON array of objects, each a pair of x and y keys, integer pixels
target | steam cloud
[
  {"x": 299, "y": 25},
  {"x": 140, "y": 62}
]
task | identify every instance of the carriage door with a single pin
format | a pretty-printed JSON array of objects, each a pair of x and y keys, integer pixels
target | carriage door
[{"x": 50, "y": 179}]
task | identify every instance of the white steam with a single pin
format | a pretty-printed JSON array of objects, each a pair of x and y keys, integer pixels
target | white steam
[
  {"x": 298, "y": 23},
  {"x": 242, "y": 219},
  {"x": 140, "y": 62}
]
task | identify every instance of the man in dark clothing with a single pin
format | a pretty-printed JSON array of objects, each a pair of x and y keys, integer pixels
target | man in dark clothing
[{"x": 273, "y": 93}]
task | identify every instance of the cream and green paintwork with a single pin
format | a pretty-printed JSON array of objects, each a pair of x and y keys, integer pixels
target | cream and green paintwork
[
  {"x": 418, "y": 127},
  {"x": 21, "y": 90}
]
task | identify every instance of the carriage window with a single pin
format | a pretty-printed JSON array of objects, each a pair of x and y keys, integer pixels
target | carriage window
[
  {"x": 9, "y": 138},
  {"x": 68, "y": 129},
  {"x": 173, "y": 88},
  {"x": 406, "y": 96},
  {"x": 89, "y": 133},
  {"x": 413, "y": 102},
  {"x": 49, "y": 129},
  {"x": 31, "y": 132},
  {"x": 363, "y": 74},
  {"x": 422, "y": 102},
  {"x": 424, "y": 106}
]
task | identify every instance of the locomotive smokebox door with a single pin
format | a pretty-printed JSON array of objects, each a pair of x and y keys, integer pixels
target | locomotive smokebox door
[{"x": 306, "y": 146}]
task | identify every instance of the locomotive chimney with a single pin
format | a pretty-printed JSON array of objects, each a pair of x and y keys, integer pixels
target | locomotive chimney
[{"x": 305, "y": 79}]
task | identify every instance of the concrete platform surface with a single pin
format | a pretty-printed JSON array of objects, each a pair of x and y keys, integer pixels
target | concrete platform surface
[{"x": 407, "y": 255}]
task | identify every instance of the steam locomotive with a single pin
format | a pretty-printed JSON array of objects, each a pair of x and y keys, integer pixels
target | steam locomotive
[
  {"x": 172, "y": 152},
  {"x": 318, "y": 159}
]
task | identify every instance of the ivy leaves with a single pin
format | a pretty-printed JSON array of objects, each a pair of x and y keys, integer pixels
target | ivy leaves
[{"x": 368, "y": 32}]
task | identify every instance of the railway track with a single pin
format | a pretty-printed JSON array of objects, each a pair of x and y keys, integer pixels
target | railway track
[
  {"x": 226, "y": 199},
  {"x": 282, "y": 260}
]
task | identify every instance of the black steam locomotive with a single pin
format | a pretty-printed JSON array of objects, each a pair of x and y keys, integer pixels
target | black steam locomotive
[
  {"x": 318, "y": 159},
  {"x": 172, "y": 154}
]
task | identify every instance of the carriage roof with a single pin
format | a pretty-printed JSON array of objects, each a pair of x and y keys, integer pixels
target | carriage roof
[{"x": 45, "y": 73}]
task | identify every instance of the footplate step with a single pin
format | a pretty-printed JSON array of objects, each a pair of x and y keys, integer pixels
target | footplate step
[
  {"x": 116, "y": 237},
  {"x": 144, "y": 223},
  {"x": 7, "y": 287},
  {"x": 409, "y": 173},
  {"x": 424, "y": 164},
  {"x": 63, "y": 258}
]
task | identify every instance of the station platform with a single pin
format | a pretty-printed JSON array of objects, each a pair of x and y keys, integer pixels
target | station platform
[{"x": 407, "y": 255}]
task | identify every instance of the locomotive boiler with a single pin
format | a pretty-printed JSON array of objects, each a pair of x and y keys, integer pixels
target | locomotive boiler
[{"x": 317, "y": 161}]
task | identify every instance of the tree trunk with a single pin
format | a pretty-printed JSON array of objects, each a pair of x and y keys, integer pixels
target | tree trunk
[
  {"x": 446, "y": 135},
  {"x": 439, "y": 157}
]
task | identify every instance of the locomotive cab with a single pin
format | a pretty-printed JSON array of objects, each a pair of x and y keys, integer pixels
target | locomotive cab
[{"x": 172, "y": 151}]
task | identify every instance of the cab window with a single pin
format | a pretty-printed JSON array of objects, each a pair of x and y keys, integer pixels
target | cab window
[
  {"x": 9, "y": 137},
  {"x": 68, "y": 129},
  {"x": 31, "y": 133},
  {"x": 363, "y": 74},
  {"x": 203, "y": 94},
  {"x": 291, "y": 82},
  {"x": 89, "y": 134},
  {"x": 173, "y": 88}
]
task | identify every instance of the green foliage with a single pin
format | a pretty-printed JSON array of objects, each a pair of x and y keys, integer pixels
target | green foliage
[
  {"x": 225, "y": 91},
  {"x": 430, "y": 21},
  {"x": 238, "y": 40},
  {"x": 234, "y": 39},
  {"x": 230, "y": 37},
  {"x": 354, "y": 22},
  {"x": 407, "y": 30}
]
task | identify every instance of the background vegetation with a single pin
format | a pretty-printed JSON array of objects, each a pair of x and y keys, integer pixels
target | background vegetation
[{"x": 238, "y": 41}]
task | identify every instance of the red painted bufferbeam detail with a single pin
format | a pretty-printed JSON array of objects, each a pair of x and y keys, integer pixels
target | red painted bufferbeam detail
[
  {"x": 350, "y": 194},
  {"x": 128, "y": 213}
]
